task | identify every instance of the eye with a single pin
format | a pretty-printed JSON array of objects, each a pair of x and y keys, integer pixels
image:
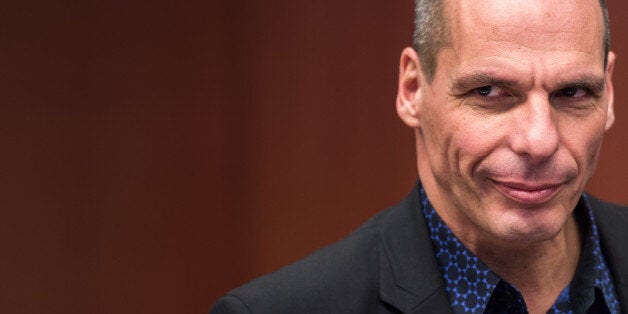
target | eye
[
  {"x": 484, "y": 90},
  {"x": 572, "y": 92},
  {"x": 490, "y": 98},
  {"x": 579, "y": 100},
  {"x": 490, "y": 91}
]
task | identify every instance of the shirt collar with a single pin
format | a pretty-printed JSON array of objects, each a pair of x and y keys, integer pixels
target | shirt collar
[{"x": 470, "y": 283}]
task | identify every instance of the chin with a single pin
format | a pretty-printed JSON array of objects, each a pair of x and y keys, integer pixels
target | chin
[
  {"x": 528, "y": 235},
  {"x": 530, "y": 226}
]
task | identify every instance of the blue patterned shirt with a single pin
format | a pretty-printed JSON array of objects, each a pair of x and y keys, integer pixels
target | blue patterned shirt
[{"x": 474, "y": 288}]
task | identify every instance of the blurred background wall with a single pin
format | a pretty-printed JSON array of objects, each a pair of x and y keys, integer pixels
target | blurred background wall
[{"x": 156, "y": 154}]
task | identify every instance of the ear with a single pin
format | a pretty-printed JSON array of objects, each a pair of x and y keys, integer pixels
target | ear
[
  {"x": 610, "y": 113},
  {"x": 409, "y": 93}
]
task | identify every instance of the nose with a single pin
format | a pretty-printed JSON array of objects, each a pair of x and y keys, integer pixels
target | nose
[{"x": 536, "y": 133}]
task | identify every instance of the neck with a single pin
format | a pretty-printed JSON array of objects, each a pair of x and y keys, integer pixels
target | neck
[{"x": 540, "y": 271}]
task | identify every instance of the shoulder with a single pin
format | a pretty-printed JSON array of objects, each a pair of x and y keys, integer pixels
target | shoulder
[
  {"x": 385, "y": 266},
  {"x": 342, "y": 277}
]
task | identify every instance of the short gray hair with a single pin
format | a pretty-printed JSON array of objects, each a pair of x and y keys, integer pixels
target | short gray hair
[{"x": 432, "y": 32}]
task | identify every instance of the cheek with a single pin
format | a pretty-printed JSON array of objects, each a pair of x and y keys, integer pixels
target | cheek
[
  {"x": 586, "y": 149},
  {"x": 435, "y": 128},
  {"x": 457, "y": 143},
  {"x": 473, "y": 141},
  {"x": 594, "y": 149},
  {"x": 584, "y": 141}
]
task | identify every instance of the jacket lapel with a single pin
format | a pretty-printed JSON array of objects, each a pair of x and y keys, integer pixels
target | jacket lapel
[
  {"x": 410, "y": 279},
  {"x": 613, "y": 227}
]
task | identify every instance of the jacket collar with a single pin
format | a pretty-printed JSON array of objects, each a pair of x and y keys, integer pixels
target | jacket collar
[{"x": 410, "y": 279}]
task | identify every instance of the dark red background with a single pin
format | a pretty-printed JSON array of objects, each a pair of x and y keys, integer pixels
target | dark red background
[{"x": 156, "y": 154}]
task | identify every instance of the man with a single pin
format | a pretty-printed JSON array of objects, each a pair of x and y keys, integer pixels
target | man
[{"x": 509, "y": 101}]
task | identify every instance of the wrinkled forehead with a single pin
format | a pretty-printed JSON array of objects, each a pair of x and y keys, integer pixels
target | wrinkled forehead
[{"x": 536, "y": 24}]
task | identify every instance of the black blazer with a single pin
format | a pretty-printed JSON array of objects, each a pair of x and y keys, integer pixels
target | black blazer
[{"x": 388, "y": 266}]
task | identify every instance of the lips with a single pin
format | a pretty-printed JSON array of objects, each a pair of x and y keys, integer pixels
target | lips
[{"x": 528, "y": 193}]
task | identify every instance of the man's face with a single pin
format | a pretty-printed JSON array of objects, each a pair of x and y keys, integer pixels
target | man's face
[{"x": 509, "y": 130}]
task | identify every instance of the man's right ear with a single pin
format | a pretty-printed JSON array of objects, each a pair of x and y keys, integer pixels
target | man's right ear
[{"x": 409, "y": 93}]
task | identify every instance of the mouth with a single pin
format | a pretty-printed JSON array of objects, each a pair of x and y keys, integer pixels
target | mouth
[{"x": 528, "y": 193}]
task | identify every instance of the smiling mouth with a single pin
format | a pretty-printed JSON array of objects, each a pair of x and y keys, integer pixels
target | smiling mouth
[{"x": 529, "y": 194}]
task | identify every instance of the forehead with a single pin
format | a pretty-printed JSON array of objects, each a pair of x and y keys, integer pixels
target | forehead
[{"x": 535, "y": 25}]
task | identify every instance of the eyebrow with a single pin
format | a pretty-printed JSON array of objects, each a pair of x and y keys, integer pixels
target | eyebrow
[
  {"x": 595, "y": 84},
  {"x": 475, "y": 80}
]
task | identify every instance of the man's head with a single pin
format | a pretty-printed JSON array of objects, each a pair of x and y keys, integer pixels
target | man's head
[
  {"x": 432, "y": 32},
  {"x": 510, "y": 120}
]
